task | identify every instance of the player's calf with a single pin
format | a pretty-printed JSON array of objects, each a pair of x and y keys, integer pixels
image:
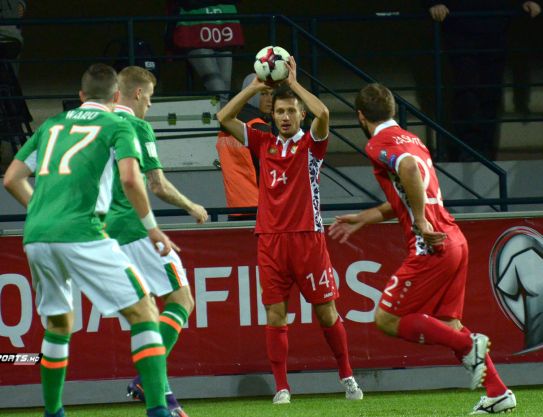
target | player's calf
[{"x": 386, "y": 322}]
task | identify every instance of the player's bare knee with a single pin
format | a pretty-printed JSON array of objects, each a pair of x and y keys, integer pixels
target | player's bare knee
[
  {"x": 386, "y": 322},
  {"x": 326, "y": 314},
  {"x": 456, "y": 324},
  {"x": 275, "y": 315},
  {"x": 144, "y": 310},
  {"x": 61, "y": 324},
  {"x": 183, "y": 297},
  {"x": 188, "y": 304},
  {"x": 276, "y": 320}
]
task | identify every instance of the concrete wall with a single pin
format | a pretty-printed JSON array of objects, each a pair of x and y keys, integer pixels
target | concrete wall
[{"x": 371, "y": 380}]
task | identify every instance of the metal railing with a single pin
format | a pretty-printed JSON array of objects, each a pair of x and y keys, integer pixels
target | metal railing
[{"x": 408, "y": 114}]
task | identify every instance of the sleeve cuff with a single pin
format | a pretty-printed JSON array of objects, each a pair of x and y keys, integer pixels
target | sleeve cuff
[
  {"x": 316, "y": 139},
  {"x": 245, "y": 135},
  {"x": 31, "y": 161},
  {"x": 400, "y": 158}
]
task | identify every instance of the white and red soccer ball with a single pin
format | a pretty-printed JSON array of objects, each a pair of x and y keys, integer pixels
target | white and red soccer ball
[{"x": 270, "y": 64}]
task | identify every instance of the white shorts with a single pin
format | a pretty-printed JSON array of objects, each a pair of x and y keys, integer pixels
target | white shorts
[
  {"x": 99, "y": 268},
  {"x": 164, "y": 274}
]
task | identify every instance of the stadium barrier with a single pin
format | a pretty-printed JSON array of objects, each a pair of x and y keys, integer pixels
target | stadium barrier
[{"x": 222, "y": 348}]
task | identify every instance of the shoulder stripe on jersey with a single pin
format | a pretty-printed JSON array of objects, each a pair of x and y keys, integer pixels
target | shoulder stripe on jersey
[
  {"x": 32, "y": 161},
  {"x": 245, "y": 135},
  {"x": 316, "y": 139}
]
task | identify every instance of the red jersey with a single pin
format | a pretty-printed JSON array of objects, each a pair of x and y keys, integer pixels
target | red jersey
[
  {"x": 289, "y": 197},
  {"x": 389, "y": 145}
]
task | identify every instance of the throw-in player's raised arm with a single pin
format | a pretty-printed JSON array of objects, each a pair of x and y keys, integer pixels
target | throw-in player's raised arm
[
  {"x": 321, "y": 123},
  {"x": 227, "y": 116}
]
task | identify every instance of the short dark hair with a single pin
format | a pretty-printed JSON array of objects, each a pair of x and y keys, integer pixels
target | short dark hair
[
  {"x": 376, "y": 103},
  {"x": 133, "y": 77},
  {"x": 285, "y": 94},
  {"x": 99, "y": 82}
]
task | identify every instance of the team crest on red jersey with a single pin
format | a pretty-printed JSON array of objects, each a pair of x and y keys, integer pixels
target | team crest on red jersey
[
  {"x": 272, "y": 150},
  {"x": 293, "y": 149}
]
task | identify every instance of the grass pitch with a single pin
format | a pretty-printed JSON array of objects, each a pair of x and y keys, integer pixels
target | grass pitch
[{"x": 445, "y": 403}]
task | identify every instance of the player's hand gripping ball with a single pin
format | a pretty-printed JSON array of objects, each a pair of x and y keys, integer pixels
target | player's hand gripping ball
[{"x": 270, "y": 64}]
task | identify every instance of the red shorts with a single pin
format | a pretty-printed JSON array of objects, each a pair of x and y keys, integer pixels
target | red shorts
[
  {"x": 296, "y": 257},
  {"x": 432, "y": 284}
]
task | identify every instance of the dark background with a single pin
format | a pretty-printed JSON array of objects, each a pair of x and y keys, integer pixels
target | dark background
[{"x": 396, "y": 52}]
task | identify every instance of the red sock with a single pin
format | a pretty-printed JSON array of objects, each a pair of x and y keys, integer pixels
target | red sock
[
  {"x": 493, "y": 384},
  {"x": 277, "y": 348},
  {"x": 421, "y": 328},
  {"x": 336, "y": 336}
]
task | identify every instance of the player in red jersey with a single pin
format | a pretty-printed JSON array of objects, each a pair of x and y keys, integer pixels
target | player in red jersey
[
  {"x": 423, "y": 301},
  {"x": 291, "y": 243}
]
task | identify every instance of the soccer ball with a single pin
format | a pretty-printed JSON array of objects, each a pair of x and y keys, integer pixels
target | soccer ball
[{"x": 270, "y": 64}]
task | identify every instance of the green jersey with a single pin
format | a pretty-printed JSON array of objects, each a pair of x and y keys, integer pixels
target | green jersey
[
  {"x": 122, "y": 221},
  {"x": 72, "y": 155}
]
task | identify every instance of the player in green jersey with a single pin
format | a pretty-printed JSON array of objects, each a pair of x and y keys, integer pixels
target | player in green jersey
[
  {"x": 72, "y": 155},
  {"x": 165, "y": 274}
]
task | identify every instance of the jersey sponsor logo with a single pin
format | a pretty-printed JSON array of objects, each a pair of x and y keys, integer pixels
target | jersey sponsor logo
[
  {"x": 516, "y": 261},
  {"x": 293, "y": 149},
  {"x": 151, "y": 149},
  {"x": 81, "y": 115}
]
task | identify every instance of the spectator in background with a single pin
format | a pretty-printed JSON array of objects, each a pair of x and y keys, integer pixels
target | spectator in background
[
  {"x": 11, "y": 39},
  {"x": 208, "y": 37},
  {"x": 239, "y": 168},
  {"x": 13, "y": 113},
  {"x": 477, "y": 55}
]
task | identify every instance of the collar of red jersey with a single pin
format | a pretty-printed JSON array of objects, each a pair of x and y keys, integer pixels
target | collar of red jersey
[
  {"x": 384, "y": 125},
  {"x": 95, "y": 106},
  {"x": 119, "y": 108},
  {"x": 294, "y": 138}
]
